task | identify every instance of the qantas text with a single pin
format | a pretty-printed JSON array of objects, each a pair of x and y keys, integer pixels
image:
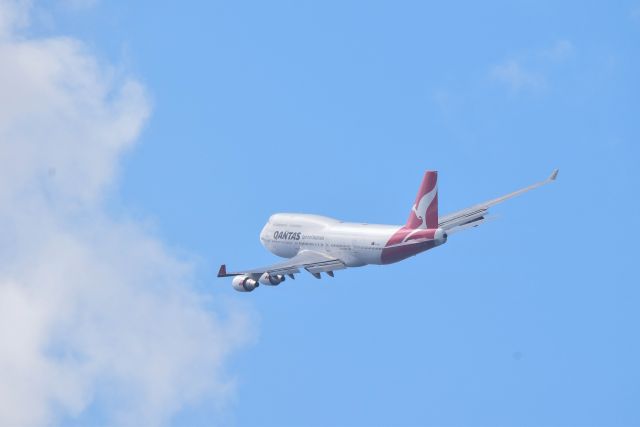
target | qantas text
[{"x": 286, "y": 235}]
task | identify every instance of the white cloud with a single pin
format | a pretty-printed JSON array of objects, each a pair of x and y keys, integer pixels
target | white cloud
[
  {"x": 94, "y": 311},
  {"x": 529, "y": 72},
  {"x": 13, "y": 14},
  {"x": 559, "y": 51},
  {"x": 516, "y": 77}
]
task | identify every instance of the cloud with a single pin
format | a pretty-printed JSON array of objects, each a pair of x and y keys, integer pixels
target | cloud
[
  {"x": 516, "y": 77},
  {"x": 13, "y": 14},
  {"x": 529, "y": 72},
  {"x": 559, "y": 51},
  {"x": 95, "y": 312}
]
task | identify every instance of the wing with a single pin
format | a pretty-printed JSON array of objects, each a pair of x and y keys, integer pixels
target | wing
[
  {"x": 477, "y": 214},
  {"x": 312, "y": 261}
]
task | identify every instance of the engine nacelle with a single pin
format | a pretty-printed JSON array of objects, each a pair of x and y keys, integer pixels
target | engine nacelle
[
  {"x": 440, "y": 237},
  {"x": 271, "y": 279},
  {"x": 244, "y": 283}
]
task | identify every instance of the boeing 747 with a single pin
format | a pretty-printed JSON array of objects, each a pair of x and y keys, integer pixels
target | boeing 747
[{"x": 319, "y": 244}]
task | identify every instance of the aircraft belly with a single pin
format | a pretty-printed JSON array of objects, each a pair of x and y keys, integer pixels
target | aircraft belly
[{"x": 395, "y": 254}]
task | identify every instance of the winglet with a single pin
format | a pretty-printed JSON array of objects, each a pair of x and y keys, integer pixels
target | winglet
[
  {"x": 223, "y": 271},
  {"x": 553, "y": 175}
]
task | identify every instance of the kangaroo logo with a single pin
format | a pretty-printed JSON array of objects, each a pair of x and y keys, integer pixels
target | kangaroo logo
[{"x": 420, "y": 210}]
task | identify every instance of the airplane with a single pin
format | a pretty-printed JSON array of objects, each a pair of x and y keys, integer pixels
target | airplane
[{"x": 320, "y": 244}]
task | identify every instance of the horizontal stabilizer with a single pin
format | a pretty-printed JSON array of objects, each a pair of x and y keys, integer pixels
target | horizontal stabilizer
[{"x": 476, "y": 222}]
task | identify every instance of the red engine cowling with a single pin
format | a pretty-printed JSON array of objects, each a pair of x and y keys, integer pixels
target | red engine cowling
[{"x": 244, "y": 284}]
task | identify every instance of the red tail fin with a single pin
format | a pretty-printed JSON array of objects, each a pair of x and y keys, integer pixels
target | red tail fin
[{"x": 424, "y": 213}]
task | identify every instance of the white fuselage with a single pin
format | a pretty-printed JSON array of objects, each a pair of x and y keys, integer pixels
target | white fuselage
[{"x": 356, "y": 244}]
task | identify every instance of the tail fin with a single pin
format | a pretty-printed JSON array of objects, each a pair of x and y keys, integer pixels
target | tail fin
[{"x": 424, "y": 213}]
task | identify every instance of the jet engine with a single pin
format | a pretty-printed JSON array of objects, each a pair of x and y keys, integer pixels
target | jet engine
[
  {"x": 244, "y": 283},
  {"x": 271, "y": 279}
]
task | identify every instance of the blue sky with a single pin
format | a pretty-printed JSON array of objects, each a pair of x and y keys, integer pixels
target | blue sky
[{"x": 337, "y": 108}]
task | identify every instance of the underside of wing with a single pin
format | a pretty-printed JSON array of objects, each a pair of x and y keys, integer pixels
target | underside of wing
[
  {"x": 477, "y": 214},
  {"x": 312, "y": 261}
]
